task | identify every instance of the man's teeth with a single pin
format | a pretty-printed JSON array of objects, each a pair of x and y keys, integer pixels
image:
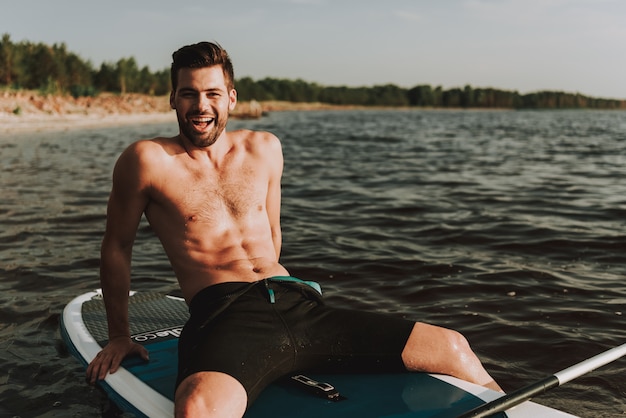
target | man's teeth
[{"x": 202, "y": 120}]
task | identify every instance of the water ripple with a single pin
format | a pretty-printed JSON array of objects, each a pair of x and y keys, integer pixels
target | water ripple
[{"x": 508, "y": 226}]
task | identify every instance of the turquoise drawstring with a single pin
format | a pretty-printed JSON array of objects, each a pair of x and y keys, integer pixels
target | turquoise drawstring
[{"x": 270, "y": 292}]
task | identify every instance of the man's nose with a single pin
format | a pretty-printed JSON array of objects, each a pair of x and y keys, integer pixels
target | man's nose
[{"x": 203, "y": 102}]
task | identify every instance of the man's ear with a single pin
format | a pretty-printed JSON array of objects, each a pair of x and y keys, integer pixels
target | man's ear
[
  {"x": 172, "y": 103},
  {"x": 232, "y": 96}
]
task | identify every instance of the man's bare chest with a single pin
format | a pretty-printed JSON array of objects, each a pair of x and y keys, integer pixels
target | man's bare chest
[{"x": 214, "y": 197}]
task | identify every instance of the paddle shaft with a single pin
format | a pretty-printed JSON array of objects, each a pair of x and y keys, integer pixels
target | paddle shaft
[{"x": 557, "y": 379}]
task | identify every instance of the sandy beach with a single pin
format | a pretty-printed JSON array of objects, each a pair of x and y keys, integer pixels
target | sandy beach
[
  {"x": 28, "y": 111},
  {"x": 46, "y": 123}
]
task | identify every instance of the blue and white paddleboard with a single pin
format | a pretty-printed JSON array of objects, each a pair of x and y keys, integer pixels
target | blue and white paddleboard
[{"x": 147, "y": 388}]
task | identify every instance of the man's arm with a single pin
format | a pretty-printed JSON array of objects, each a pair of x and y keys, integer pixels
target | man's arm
[
  {"x": 127, "y": 202},
  {"x": 274, "y": 192}
]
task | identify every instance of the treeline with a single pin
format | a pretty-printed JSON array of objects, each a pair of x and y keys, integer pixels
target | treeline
[
  {"x": 422, "y": 96},
  {"x": 55, "y": 70}
]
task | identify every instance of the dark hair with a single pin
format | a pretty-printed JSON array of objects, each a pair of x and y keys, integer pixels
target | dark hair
[{"x": 200, "y": 55}]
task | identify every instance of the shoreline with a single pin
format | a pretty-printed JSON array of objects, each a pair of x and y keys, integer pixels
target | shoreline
[
  {"x": 11, "y": 124},
  {"x": 25, "y": 111},
  {"x": 28, "y": 111}
]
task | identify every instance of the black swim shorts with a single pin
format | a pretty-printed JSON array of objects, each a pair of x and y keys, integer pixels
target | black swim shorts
[{"x": 259, "y": 332}]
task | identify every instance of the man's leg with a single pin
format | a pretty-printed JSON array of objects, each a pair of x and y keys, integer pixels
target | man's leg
[
  {"x": 210, "y": 394},
  {"x": 438, "y": 350}
]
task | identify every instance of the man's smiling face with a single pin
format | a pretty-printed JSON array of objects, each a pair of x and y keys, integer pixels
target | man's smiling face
[{"x": 202, "y": 101}]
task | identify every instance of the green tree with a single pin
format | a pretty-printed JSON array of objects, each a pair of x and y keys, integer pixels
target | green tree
[
  {"x": 467, "y": 97},
  {"x": 128, "y": 75},
  {"x": 452, "y": 98},
  {"x": 438, "y": 97},
  {"x": 105, "y": 78},
  {"x": 388, "y": 95},
  {"x": 163, "y": 85},
  {"x": 7, "y": 57},
  {"x": 80, "y": 76},
  {"x": 40, "y": 68},
  {"x": 421, "y": 95},
  {"x": 247, "y": 89},
  {"x": 146, "y": 82}
]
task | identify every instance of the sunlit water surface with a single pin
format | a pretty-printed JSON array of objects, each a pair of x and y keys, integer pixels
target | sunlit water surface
[{"x": 507, "y": 226}]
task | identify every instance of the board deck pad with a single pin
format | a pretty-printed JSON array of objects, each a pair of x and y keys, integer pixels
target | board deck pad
[
  {"x": 152, "y": 317},
  {"x": 147, "y": 388}
]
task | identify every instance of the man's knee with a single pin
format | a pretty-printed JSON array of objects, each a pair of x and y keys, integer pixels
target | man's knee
[
  {"x": 439, "y": 350},
  {"x": 435, "y": 349},
  {"x": 210, "y": 394}
]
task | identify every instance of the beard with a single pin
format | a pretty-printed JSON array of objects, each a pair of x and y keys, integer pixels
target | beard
[{"x": 201, "y": 135}]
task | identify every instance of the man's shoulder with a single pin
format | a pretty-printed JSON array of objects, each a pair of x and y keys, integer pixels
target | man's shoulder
[
  {"x": 256, "y": 141},
  {"x": 148, "y": 152},
  {"x": 155, "y": 144},
  {"x": 153, "y": 147},
  {"x": 250, "y": 135}
]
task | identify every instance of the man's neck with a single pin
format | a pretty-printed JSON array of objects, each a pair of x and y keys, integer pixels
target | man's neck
[{"x": 214, "y": 152}]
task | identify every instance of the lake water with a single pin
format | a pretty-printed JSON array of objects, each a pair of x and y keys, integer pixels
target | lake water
[{"x": 509, "y": 226}]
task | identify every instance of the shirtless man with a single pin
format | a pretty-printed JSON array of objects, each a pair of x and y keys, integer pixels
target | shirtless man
[{"x": 213, "y": 199}]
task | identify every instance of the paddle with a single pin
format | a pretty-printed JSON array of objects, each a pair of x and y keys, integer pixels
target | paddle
[{"x": 557, "y": 379}]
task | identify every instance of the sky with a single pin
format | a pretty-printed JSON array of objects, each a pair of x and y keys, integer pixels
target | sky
[{"x": 576, "y": 46}]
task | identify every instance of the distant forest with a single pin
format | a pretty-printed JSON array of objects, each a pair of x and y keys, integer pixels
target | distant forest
[{"x": 55, "y": 70}]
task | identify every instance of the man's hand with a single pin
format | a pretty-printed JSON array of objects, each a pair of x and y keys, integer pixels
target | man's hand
[{"x": 109, "y": 359}]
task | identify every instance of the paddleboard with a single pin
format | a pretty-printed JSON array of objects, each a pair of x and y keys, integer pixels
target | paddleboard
[{"x": 146, "y": 389}]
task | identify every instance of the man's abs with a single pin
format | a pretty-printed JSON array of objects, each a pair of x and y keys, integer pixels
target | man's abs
[
  {"x": 207, "y": 253},
  {"x": 193, "y": 277}
]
